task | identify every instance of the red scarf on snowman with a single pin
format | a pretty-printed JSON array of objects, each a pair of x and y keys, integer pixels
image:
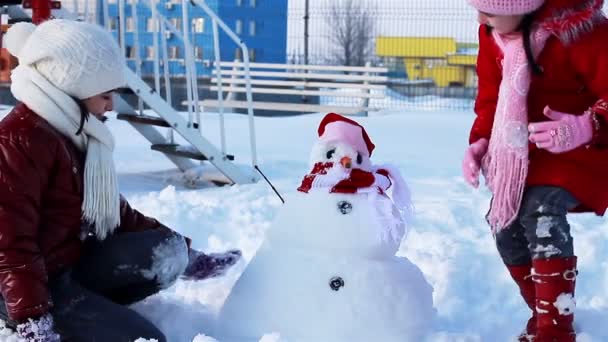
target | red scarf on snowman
[{"x": 344, "y": 181}]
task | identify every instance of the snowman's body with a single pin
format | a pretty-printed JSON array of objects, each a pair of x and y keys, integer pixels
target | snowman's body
[{"x": 327, "y": 271}]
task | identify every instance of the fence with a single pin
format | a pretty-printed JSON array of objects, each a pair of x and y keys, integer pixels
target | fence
[{"x": 429, "y": 46}]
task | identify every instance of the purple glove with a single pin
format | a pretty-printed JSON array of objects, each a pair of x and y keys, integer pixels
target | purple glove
[
  {"x": 38, "y": 330},
  {"x": 565, "y": 133},
  {"x": 203, "y": 266},
  {"x": 471, "y": 164}
]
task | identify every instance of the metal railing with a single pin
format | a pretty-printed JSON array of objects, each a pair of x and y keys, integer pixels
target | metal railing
[{"x": 184, "y": 36}]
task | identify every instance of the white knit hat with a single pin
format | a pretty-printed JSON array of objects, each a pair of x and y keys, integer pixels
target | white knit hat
[{"x": 81, "y": 59}]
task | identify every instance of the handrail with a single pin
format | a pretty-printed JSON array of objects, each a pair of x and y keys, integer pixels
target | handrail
[
  {"x": 135, "y": 47},
  {"x": 246, "y": 61},
  {"x": 184, "y": 37}
]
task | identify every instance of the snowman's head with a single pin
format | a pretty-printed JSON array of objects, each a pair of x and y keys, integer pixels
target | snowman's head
[
  {"x": 340, "y": 154},
  {"x": 344, "y": 142}
]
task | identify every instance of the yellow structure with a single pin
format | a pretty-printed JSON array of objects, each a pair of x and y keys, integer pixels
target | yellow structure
[{"x": 436, "y": 59}]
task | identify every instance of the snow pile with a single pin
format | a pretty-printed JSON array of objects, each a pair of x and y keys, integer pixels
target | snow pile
[{"x": 324, "y": 274}]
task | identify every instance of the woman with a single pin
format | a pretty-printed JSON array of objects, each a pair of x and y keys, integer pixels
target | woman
[
  {"x": 540, "y": 138},
  {"x": 73, "y": 252}
]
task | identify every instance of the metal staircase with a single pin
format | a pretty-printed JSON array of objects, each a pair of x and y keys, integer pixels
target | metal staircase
[{"x": 150, "y": 113}]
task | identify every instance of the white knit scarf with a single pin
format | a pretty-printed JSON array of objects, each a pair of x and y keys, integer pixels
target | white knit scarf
[{"x": 101, "y": 205}]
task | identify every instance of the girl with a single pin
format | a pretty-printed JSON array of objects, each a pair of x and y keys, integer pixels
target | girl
[
  {"x": 73, "y": 253},
  {"x": 540, "y": 138}
]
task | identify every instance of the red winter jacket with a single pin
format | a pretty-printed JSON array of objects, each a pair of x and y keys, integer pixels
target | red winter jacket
[
  {"x": 574, "y": 79},
  {"x": 41, "y": 193}
]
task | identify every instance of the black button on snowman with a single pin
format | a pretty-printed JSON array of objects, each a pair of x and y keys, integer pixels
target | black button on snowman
[
  {"x": 345, "y": 207},
  {"x": 336, "y": 283}
]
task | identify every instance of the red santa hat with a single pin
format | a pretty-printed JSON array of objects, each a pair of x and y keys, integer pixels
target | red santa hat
[{"x": 336, "y": 128}]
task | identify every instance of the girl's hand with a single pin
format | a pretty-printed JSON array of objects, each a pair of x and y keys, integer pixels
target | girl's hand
[
  {"x": 471, "y": 164},
  {"x": 565, "y": 133}
]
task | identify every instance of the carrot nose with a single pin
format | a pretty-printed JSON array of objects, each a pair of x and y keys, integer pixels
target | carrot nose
[{"x": 346, "y": 162}]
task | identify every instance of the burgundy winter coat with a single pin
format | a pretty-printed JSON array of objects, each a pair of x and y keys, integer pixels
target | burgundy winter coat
[
  {"x": 41, "y": 192},
  {"x": 574, "y": 79}
]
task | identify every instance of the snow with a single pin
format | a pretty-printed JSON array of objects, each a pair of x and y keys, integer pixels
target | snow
[
  {"x": 565, "y": 304},
  {"x": 169, "y": 260},
  {"x": 544, "y": 225},
  {"x": 324, "y": 274},
  {"x": 449, "y": 240}
]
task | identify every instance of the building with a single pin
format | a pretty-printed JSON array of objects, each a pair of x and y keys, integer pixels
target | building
[
  {"x": 440, "y": 60},
  {"x": 261, "y": 24}
]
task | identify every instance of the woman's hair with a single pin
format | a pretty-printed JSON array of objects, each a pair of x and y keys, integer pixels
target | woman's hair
[
  {"x": 84, "y": 114},
  {"x": 525, "y": 27}
]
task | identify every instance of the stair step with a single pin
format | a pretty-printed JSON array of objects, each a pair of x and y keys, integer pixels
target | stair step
[
  {"x": 146, "y": 120},
  {"x": 182, "y": 151}
]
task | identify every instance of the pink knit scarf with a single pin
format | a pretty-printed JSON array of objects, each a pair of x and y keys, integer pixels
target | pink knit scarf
[{"x": 505, "y": 166}]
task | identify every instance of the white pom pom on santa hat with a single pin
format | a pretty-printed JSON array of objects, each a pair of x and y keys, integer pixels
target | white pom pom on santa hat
[
  {"x": 336, "y": 128},
  {"x": 16, "y": 37}
]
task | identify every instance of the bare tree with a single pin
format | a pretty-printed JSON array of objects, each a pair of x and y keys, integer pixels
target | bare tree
[{"x": 351, "y": 33}]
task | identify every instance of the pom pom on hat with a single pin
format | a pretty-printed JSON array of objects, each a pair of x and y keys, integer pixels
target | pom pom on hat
[
  {"x": 336, "y": 128},
  {"x": 506, "y": 7},
  {"x": 17, "y": 36}
]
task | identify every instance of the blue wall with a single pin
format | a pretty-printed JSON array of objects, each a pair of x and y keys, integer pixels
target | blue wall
[
  {"x": 268, "y": 43},
  {"x": 270, "y": 16}
]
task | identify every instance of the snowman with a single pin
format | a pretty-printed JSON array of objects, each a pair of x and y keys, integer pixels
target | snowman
[{"x": 327, "y": 269}]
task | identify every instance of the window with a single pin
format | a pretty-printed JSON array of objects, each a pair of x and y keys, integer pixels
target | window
[
  {"x": 130, "y": 24},
  {"x": 151, "y": 25},
  {"x": 149, "y": 52},
  {"x": 238, "y": 27},
  {"x": 198, "y": 25},
  {"x": 173, "y": 52},
  {"x": 252, "y": 55},
  {"x": 177, "y": 22},
  {"x": 238, "y": 54},
  {"x": 239, "y": 3},
  {"x": 252, "y": 28},
  {"x": 198, "y": 53},
  {"x": 252, "y": 3},
  {"x": 114, "y": 23},
  {"x": 130, "y": 52}
]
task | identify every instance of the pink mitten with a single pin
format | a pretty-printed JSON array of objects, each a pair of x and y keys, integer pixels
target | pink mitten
[
  {"x": 471, "y": 163},
  {"x": 565, "y": 133}
]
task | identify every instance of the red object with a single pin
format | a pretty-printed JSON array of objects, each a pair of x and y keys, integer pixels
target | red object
[
  {"x": 574, "y": 79},
  {"x": 356, "y": 180},
  {"x": 333, "y": 117},
  {"x": 41, "y": 9},
  {"x": 555, "y": 278},
  {"x": 41, "y": 193},
  {"x": 522, "y": 276},
  {"x": 317, "y": 169}
]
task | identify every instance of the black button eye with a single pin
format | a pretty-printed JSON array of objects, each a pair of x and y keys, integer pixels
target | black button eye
[
  {"x": 330, "y": 153},
  {"x": 359, "y": 158}
]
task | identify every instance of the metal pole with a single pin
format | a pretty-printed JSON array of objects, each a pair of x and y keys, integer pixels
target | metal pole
[
  {"x": 306, "y": 17},
  {"x": 121, "y": 26},
  {"x": 188, "y": 65},
  {"x": 218, "y": 78}
]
